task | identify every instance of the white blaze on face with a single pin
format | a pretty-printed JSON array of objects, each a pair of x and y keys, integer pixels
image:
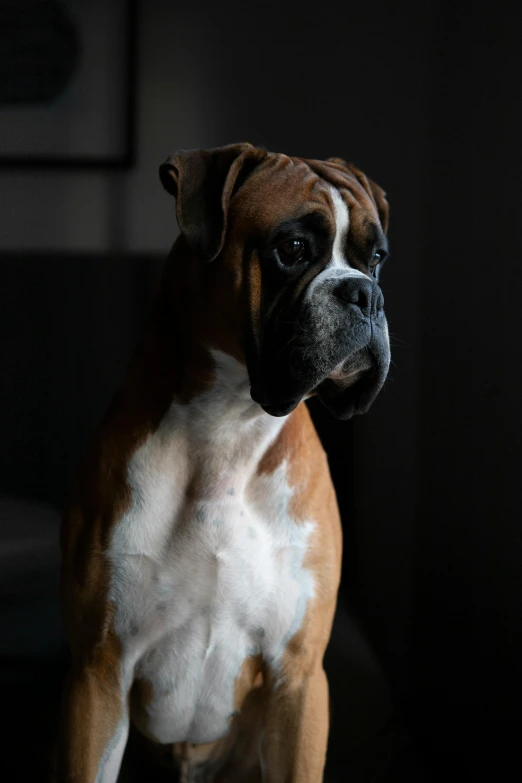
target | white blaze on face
[
  {"x": 342, "y": 223},
  {"x": 338, "y": 268}
]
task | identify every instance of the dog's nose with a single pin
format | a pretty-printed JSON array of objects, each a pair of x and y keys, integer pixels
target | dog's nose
[{"x": 362, "y": 292}]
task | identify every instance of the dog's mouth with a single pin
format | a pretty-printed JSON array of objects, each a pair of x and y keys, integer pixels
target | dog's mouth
[
  {"x": 351, "y": 387},
  {"x": 344, "y": 400},
  {"x": 274, "y": 407},
  {"x": 348, "y": 389},
  {"x": 349, "y": 371}
]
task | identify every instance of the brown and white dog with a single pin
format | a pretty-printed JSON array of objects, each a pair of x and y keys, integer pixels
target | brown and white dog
[{"x": 202, "y": 543}]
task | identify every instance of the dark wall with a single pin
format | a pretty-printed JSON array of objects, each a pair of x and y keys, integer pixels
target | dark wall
[
  {"x": 468, "y": 597},
  {"x": 70, "y": 324}
]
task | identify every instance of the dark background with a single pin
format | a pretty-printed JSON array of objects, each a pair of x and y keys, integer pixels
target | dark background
[{"x": 425, "y": 98}]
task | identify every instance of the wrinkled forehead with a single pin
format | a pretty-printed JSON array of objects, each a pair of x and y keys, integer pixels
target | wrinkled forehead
[{"x": 284, "y": 188}]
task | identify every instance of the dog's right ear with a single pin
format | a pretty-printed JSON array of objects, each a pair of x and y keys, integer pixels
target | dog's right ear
[{"x": 203, "y": 182}]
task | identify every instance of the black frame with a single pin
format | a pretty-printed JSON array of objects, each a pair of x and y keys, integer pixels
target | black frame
[{"x": 120, "y": 161}]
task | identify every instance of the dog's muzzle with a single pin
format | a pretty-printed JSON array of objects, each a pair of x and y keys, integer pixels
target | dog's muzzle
[
  {"x": 353, "y": 385},
  {"x": 336, "y": 345}
]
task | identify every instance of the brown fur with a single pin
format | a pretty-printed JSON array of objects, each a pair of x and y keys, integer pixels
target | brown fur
[{"x": 204, "y": 305}]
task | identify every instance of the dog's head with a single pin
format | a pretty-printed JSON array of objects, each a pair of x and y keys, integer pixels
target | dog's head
[{"x": 293, "y": 247}]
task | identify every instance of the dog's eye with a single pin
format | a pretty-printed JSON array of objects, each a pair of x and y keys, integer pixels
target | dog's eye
[
  {"x": 378, "y": 258},
  {"x": 291, "y": 252}
]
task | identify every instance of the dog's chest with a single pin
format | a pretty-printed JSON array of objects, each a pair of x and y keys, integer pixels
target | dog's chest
[{"x": 201, "y": 585}]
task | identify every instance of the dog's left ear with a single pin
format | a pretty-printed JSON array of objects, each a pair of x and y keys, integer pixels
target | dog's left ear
[
  {"x": 203, "y": 182},
  {"x": 375, "y": 192}
]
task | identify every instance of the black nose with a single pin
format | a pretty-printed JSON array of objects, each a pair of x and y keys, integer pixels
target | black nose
[{"x": 362, "y": 292}]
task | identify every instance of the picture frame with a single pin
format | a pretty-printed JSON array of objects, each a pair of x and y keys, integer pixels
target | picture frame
[{"x": 68, "y": 98}]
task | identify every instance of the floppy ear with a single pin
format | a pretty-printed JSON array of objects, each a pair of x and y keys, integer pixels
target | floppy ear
[
  {"x": 375, "y": 192},
  {"x": 203, "y": 182}
]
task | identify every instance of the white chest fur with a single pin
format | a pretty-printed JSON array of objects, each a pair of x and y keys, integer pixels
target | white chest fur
[{"x": 201, "y": 584}]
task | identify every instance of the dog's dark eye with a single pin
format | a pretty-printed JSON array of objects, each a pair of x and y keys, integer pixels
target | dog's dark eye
[
  {"x": 291, "y": 252},
  {"x": 378, "y": 258}
]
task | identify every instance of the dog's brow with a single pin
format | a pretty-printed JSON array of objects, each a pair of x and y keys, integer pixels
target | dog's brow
[{"x": 313, "y": 221}]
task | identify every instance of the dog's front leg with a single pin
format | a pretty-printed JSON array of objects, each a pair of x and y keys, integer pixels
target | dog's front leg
[
  {"x": 293, "y": 746},
  {"x": 94, "y": 724}
]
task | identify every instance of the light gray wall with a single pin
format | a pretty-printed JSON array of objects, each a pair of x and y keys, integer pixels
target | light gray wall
[{"x": 92, "y": 211}]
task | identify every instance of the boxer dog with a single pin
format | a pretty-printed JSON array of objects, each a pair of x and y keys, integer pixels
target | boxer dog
[{"x": 202, "y": 543}]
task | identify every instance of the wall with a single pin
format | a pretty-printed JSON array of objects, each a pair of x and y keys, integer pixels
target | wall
[{"x": 91, "y": 211}]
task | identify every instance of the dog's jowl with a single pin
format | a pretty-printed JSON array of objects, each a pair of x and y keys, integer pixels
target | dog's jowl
[{"x": 202, "y": 543}]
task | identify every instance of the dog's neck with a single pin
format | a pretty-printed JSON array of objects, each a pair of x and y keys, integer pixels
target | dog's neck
[
  {"x": 213, "y": 440},
  {"x": 228, "y": 433},
  {"x": 185, "y": 381},
  {"x": 200, "y": 303}
]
